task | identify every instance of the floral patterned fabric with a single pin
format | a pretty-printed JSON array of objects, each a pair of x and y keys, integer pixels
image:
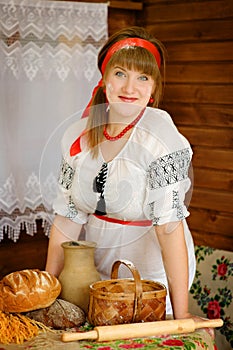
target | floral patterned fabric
[
  {"x": 211, "y": 292},
  {"x": 186, "y": 342},
  {"x": 199, "y": 340}
]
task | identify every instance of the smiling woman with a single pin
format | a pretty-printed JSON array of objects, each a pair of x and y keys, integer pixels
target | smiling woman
[
  {"x": 125, "y": 174},
  {"x": 124, "y": 53}
]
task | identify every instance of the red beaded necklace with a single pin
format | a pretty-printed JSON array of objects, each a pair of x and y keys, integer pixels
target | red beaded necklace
[{"x": 124, "y": 131}]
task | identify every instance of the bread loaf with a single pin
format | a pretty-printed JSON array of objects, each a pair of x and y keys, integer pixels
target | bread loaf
[
  {"x": 60, "y": 315},
  {"x": 28, "y": 290}
]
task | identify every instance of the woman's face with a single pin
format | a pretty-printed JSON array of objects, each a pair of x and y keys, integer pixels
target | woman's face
[{"x": 128, "y": 91}]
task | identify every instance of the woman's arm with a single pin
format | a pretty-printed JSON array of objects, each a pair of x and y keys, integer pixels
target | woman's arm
[
  {"x": 175, "y": 259},
  {"x": 63, "y": 229}
]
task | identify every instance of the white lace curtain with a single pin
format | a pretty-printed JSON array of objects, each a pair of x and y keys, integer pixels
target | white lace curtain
[{"x": 48, "y": 56}]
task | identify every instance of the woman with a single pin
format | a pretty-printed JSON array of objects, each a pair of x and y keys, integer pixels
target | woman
[{"x": 124, "y": 176}]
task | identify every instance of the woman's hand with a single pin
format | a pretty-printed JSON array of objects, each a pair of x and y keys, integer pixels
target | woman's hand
[{"x": 196, "y": 318}]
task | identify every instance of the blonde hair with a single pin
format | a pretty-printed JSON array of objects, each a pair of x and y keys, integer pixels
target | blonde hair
[{"x": 132, "y": 58}]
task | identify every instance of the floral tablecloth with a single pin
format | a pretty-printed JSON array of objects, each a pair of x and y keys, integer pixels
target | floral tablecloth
[{"x": 199, "y": 340}]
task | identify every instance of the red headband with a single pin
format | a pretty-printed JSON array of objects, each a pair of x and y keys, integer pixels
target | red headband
[
  {"x": 125, "y": 43},
  {"x": 129, "y": 42}
]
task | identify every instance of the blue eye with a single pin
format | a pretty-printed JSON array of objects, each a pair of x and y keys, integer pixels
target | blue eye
[
  {"x": 119, "y": 74},
  {"x": 143, "y": 78}
]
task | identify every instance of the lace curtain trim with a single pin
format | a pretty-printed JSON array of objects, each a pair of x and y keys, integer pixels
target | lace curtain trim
[
  {"x": 34, "y": 194},
  {"x": 45, "y": 37},
  {"x": 33, "y": 61},
  {"x": 37, "y": 205},
  {"x": 12, "y": 228},
  {"x": 53, "y": 19}
]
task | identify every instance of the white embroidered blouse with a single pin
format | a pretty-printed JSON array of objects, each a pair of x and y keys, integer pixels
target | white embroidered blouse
[{"x": 147, "y": 180}]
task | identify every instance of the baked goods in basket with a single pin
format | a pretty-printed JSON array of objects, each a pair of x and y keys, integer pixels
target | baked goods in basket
[{"x": 27, "y": 290}]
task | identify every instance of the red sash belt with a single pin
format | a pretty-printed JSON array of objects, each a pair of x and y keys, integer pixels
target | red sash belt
[{"x": 123, "y": 222}]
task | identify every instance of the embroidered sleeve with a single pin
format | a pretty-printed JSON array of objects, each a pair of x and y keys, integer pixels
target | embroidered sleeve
[
  {"x": 168, "y": 183},
  {"x": 72, "y": 211},
  {"x": 64, "y": 204},
  {"x": 169, "y": 169},
  {"x": 66, "y": 175}
]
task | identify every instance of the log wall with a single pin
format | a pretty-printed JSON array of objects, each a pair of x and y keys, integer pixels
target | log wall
[{"x": 198, "y": 37}]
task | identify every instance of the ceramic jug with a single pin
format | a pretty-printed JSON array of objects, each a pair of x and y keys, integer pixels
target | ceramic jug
[{"x": 78, "y": 273}]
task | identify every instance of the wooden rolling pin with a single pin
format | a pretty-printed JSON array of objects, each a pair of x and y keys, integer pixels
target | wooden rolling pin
[{"x": 146, "y": 329}]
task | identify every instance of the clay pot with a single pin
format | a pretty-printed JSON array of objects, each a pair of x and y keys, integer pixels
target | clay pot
[{"x": 78, "y": 273}]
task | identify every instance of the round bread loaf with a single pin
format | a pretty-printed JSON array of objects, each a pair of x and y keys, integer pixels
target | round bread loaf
[
  {"x": 60, "y": 315},
  {"x": 27, "y": 290}
]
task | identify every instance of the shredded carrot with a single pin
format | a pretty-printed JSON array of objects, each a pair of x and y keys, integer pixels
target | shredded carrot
[{"x": 17, "y": 328}]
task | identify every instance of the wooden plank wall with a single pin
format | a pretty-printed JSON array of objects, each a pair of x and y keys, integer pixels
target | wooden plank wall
[
  {"x": 198, "y": 37},
  {"x": 198, "y": 94},
  {"x": 29, "y": 252}
]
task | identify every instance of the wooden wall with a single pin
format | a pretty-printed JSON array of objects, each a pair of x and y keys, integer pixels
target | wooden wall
[
  {"x": 198, "y": 94},
  {"x": 198, "y": 37},
  {"x": 28, "y": 253}
]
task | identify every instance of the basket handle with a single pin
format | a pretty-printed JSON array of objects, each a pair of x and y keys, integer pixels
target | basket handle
[{"x": 138, "y": 285}]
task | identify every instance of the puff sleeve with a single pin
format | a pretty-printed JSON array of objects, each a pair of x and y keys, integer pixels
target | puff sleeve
[
  {"x": 64, "y": 204},
  {"x": 168, "y": 173}
]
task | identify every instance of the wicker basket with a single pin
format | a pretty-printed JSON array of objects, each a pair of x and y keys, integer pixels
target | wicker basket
[{"x": 118, "y": 301}]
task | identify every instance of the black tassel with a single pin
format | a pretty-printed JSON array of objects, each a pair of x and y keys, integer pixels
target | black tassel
[
  {"x": 98, "y": 186},
  {"x": 101, "y": 207}
]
